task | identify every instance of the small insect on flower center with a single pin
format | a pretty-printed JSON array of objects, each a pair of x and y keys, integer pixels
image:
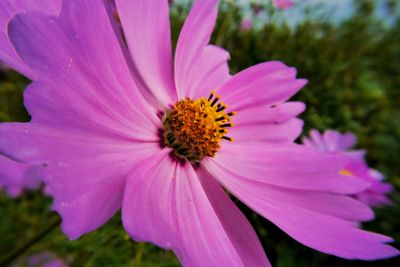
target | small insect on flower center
[{"x": 194, "y": 128}]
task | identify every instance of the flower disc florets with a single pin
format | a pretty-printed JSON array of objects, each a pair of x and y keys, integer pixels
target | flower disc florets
[{"x": 194, "y": 128}]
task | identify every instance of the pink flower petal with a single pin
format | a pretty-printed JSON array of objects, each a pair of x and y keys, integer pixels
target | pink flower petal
[
  {"x": 307, "y": 142},
  {"x": 340, "y": 206},
  {"x": 68, "y": 107},
  {"x": 209, "y": 72},
  {"x": 146, "y": 205},
  {"x": 267, "y": 83},
  {"x": 328, "y": 234},
  {"x": 193, "y": 39},
  {"x": 23, "y": 141},
  {"x": 65, "y": 178},
  {"x": 320, "y": 220},
  {"x": 87, "y": 80},
  {"x": 334, "y": 141},
  {"x": 275, "y": 133},
  {"x": 347, "y": 140},
  {"x": 8, "y": 8},
  {"x": 86, "y": 195},
  {"x": 88, "y": 108},
  {"x": 373, "y": 199},
  {"x": 170, "y": 205},
  {"x": 315, "y": 141},
  {"x": 266, "y": 123},
  {"x": 269, "y": 114},
  {"x": 147, "y": 31},
  {"x": 285, "y": 165},
  {"x": 90, "y": 210},
  {"x": 257, "y": 95},
  {"x": 330, "y": 141}
]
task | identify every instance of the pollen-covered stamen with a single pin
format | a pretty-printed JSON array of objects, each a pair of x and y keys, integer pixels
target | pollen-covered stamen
[{"x": 194, "y": 128}]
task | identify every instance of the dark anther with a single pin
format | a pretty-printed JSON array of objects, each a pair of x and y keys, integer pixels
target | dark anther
[
  {"x": 214, "y": 101},
  {"x": 210, "y": 97},
  {"x": 221, "y": 108}
]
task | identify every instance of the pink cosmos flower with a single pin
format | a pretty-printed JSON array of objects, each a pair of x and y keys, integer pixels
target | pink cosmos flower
[
  {"x": 43, "y": 259},
  {"x": 283, "y": 4},
  {"x": 246, "y": 24},
  {"x": 334, "y": 142},
  {"x": 129, "y": 127}
]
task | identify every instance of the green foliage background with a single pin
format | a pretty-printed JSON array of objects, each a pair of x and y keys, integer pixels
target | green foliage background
[{"x": 354, "y": 85}]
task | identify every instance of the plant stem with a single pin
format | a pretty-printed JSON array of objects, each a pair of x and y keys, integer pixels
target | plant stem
[
  {"x": 22, "y": 249},
  {"x": 139, "y": 253}
]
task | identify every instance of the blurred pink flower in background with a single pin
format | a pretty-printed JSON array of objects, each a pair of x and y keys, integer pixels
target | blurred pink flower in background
[
  {"x": 247, "y": 24},
  {"x": 334, "y": 142},
  {"x": 43, "y": 259},
  {"x": 283, "y": 4}
]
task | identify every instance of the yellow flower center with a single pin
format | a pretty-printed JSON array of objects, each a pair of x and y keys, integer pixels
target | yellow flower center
[
  {"x": 346, "y": 172},
  {"x": 194, "y": 128}
]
